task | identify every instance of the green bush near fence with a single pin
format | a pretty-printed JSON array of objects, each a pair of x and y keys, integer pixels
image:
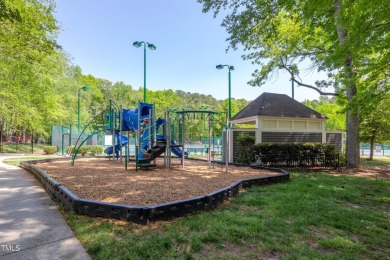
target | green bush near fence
[
  {"x": 50, "y": 149},
  {"x": 305, "y": 154},
  {"x": 246, "y": 147},
  {"x": 278, "y": 153},
  {"x": 295, "y": 148},
  {"x": 69, "y": 149},
  {"x": 87, "y": 150}
]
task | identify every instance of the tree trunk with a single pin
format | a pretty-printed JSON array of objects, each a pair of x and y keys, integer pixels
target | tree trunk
[
  {"x": 353, "y": 139},
  {"x": 353, "y": 121},
  {"x": 372, "y": 139},
  {"x": 23, "y": 136}
]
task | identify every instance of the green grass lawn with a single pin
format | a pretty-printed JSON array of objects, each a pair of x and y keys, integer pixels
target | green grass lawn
[
  {"x": 314, "y": 216},
  {"x": 377, "y": 161},
  {"x": 16, "y": 161},
  {"x": 21, "y": 148}
]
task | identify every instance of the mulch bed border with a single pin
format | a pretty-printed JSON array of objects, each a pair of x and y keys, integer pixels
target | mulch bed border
[{"x": 141, "y": 214}]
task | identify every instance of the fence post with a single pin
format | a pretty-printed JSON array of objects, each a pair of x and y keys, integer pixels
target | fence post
[{"x": 338, "y": 161}]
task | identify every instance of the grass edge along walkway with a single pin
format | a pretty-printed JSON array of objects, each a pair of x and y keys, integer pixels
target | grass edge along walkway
[{"x": 314, "y": 215}]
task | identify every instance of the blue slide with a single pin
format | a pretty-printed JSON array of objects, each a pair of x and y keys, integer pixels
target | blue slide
[
  {"x": 109, "y": 150},
  {"x": 130, "y": 122},
  {"x": 177, "y": 151}
]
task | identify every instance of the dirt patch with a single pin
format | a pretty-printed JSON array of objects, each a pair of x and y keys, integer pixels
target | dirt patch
[
  {"x": 373, "y": 172},
  {"x": 108, "y": 181}
]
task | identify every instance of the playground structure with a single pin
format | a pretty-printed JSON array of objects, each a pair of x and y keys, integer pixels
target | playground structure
[{"x": 153, "y": 137}]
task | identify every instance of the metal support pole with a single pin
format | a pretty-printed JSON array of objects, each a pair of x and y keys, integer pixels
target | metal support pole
[
  {"x": 51, "y": 136},
  {"x": 127, "y": 152},
  {"x": 111, "y": 130},
  {"x": 164, "y": 135},
  {"x": 227, "y": 145},
  {"x": 209, "y": 155},
  {"x": 78, "y": 110},
  {"x": 169, "y": 126},
  {"x": 120, "y": 131},
  {"x": 62, "y": 139},
  {"x": 230, "y": 96},
  {"x": 144, "y": 72},
  {"x": 150, "y": 132},
  {"x": 183, "y": 142},
  {"x": 138, "y": 136},
  {"x": 70, "y": 135},
  {"x": 292, "y": 88}
]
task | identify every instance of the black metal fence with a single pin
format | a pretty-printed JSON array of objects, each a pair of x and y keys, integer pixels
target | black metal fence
[{"x": 303, "y": 162}]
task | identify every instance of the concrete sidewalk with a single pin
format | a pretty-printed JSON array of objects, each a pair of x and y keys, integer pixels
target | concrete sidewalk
[{"x": 31, "y": 227}]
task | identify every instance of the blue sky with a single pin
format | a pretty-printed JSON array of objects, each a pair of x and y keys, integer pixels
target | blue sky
[{"x": 98, "y": 35}]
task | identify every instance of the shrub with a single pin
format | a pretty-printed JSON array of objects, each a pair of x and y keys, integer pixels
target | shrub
[
  {"x": 246, "y": 152},
  {"x": 69, "y": 149},
  {"x": 295, "y": 148},
  {"x": 90, "y": 150},
  {"x": 302, "y": 153},
  {"x": 50, "y": 149}
]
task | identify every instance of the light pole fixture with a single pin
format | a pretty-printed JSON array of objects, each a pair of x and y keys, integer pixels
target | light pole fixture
[
  {"x": 292, "y": 85},
  {"x": 230, "y": 68},
  {"x": 152, "y": 47},
  {"x": 291, "y": 70},
  {"x": 86, "y": 89}
]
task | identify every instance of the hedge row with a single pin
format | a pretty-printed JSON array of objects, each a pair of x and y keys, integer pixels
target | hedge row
[
  {"x": 86, "y": 150},
  {"x": 50, "y": 149},
  {"x": 287, "y": 153},
  {"x": 294, "y": 148}
]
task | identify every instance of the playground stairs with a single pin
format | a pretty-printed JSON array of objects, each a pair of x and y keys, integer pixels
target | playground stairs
[
  {"x": 155, "y": 152},
  {"x": 151, "y": 154}
]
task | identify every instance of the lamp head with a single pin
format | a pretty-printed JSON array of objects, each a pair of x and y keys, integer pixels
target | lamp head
[
  {"x": 137, "y": 44},
  {"x": 219, "y": 67},
  {"x": 152, "y": 46},
  {"x": 85, "y": 88},
  {"x": 231, "y": 67}
]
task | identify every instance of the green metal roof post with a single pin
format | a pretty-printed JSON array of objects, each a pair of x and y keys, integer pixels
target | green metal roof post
[
  {"x": 86, "y": 89},
  {"x": 230, "y": 68},
  {"x": 152, "y": 47}
]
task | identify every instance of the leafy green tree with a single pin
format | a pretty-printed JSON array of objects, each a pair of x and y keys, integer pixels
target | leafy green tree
[
  {"x": 27, "y": 48},
  {"x": 346, "y": 39},
  {"x": 375, "y": 122},
  {"x": 328, "y": 107}
]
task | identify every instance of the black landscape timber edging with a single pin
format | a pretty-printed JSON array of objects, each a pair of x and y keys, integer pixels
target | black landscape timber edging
[{"x": 144, "y": 214}]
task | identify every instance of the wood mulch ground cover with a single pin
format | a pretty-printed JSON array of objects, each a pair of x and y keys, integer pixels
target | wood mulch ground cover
[{"x": 103, "y": 180}]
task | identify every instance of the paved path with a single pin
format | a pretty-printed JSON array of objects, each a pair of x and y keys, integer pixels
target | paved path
[{"x": 31, "y": 227}]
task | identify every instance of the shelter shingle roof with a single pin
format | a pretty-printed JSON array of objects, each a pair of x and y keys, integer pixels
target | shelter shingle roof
[{"x": 277, "y": 105}]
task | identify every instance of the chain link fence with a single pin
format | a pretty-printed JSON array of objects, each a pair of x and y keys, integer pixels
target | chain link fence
[{"x": 67, "y": 135}]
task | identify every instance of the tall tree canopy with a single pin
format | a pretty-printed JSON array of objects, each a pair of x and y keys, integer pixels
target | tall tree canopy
[
  {"x": 329, "y": 108},
  {"x": 347, "y": 39},
  {"x": 28, "y": 60}
]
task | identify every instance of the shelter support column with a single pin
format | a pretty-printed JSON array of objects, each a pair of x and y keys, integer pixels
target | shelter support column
[
  {"x": 323, "y": 132},
  {"x": 259, "y": 130}
]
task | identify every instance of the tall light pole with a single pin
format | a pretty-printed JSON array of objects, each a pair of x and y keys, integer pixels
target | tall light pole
[
  {"x": 85, "y": 88},
  {"x": 230, "y": 68},
  {"x": 292, "y": 85},
  {"x": 291, "y": 70},
  {"x": 152, "y": 47}
]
